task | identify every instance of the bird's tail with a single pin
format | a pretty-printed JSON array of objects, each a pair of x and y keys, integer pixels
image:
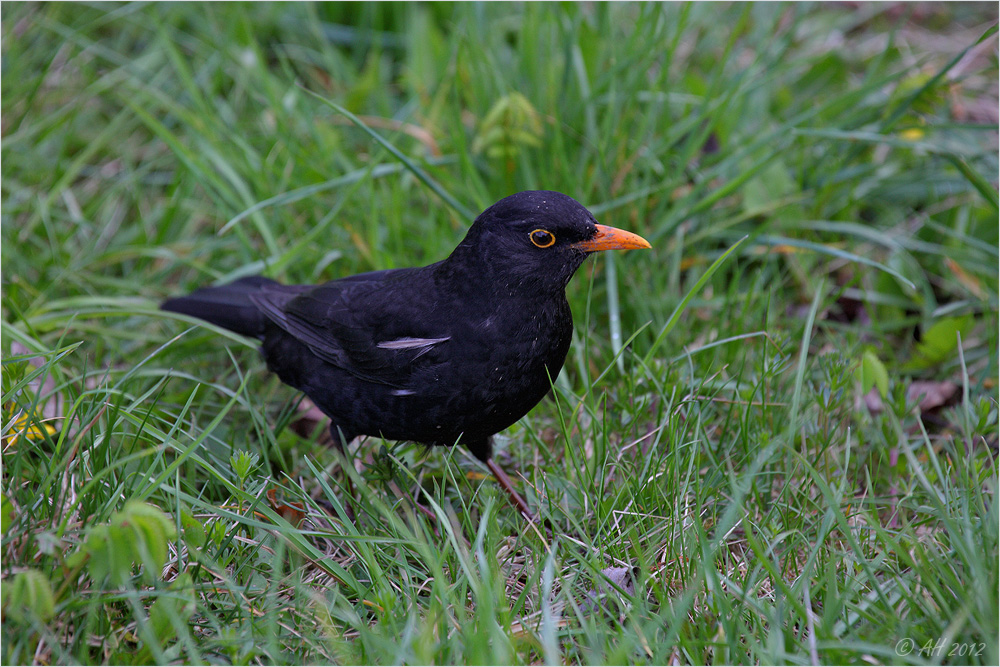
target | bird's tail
[{"x": 228, "y": 306}]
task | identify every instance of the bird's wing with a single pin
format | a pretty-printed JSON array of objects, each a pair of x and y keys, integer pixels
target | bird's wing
[{"x": 359, "y": 323}]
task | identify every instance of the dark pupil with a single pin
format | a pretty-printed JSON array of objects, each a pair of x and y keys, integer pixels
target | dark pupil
[{"x": 543, "y": 238}]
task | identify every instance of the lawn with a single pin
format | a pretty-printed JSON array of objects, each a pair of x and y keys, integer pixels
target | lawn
[{"x": 774, "y": 439}]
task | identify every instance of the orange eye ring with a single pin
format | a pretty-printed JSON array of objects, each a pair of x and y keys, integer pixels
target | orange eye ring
[{"x": 542, "y": 238}]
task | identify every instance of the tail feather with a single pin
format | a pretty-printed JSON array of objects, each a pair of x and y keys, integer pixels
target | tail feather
[{"x": 228, "y": 306}]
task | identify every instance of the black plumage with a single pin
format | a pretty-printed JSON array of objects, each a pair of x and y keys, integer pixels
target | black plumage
[{"x": 453, "y": 352}]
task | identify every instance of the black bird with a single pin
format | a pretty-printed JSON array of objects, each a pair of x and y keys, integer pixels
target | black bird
[{"x": 448, "y": 353}]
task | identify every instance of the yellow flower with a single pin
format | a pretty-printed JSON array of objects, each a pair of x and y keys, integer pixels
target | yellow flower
[{"x": 30, "y": 431}]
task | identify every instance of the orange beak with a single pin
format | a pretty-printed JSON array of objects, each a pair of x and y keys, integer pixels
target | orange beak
[{"x": 612, "y": 238}]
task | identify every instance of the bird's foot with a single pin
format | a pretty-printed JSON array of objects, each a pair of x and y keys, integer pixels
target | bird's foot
[{"x": 515, "y": 497}]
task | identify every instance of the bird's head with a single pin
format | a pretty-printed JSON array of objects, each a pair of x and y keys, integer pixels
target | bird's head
[{"x": 540, "y": 238}]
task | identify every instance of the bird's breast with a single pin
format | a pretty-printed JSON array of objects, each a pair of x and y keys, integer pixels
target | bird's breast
[
  {"x": 512, "y": 355},
  {"x": 487, "y": 368}
]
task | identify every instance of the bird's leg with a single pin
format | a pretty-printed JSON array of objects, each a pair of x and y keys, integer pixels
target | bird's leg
[
  {"x": 483, "y": 450},
  {"x": 515, "y": 497}
]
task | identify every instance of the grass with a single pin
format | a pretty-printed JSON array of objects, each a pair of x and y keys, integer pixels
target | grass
[{"x": 736, "y": 466}]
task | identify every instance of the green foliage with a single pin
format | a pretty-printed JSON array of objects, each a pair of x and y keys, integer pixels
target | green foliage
[
  {"x": 940, "y": 341},
  {"x": 6, "y": 515},
  {"x": 29, "y": 594},
  {"x": 243, "y": 463},
  {"x": 512, "y": 124},
  {"x": 171, "y": 611},
  {"x": 137, "y": 535},
  {"x": 872, "y": 373},
  {"x": 818, "y": 183}
]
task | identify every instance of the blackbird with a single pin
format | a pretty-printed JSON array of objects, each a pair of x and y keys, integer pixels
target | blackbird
[{"x": 453, "y": 352}]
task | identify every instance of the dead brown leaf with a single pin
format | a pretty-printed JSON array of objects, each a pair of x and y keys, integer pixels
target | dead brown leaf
[
  {"x": 293, "y": 513},
  {"x": 932, "y": 394}
]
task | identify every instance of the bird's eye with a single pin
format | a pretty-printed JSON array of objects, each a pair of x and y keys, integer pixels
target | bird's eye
[{"x": 542, "y": 238}]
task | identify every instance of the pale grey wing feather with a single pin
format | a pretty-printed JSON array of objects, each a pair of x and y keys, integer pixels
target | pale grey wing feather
[{"x": 326, "y": 320}]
